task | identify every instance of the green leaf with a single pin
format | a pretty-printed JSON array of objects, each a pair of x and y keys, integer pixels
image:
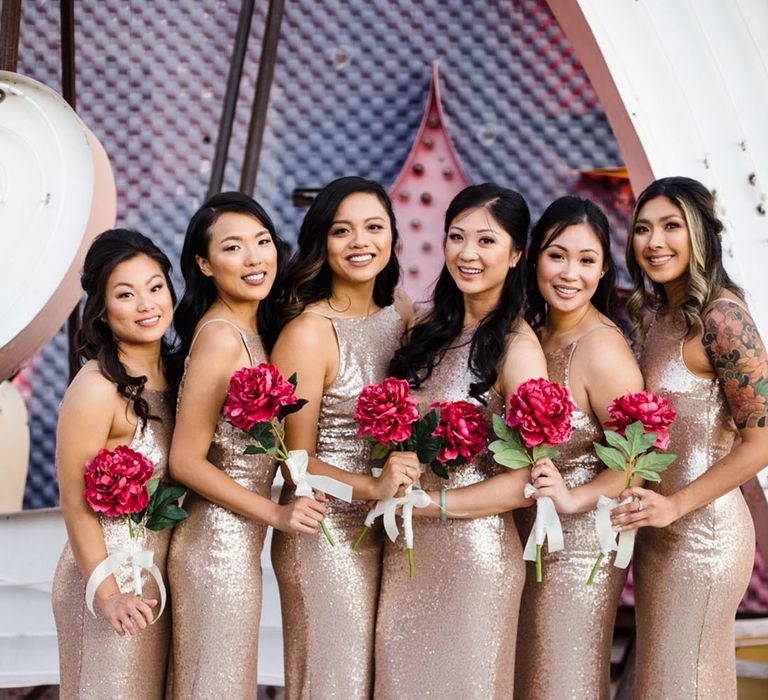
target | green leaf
[
  {"x": 293, "y": 380},
  {"x": 165, "y": 493},
  {"x": 258, "y": 431},
  {"x": 158, "y": 523},
  {"x": 136, "y": 517},
  {"x": 254, "y": 450},
  {"x": 293, "y": 408},
  {"x": 647, "y": 475},
  {"x": 617, "y": 441},
  {"x": 152, "y": 485},
  {"x": 428, "y": 450},
  {"x": 655, "y": 461},
  {"x": 380, "y": 450},
  {"x": 439, "y": 469},
  {"x": 172, "y": 512},
  {"x": 611, "y": 457},
  {"x": 509, "y": 456},
  {"x": 540, "y": 451},
  {"x": 639, "y": 441},
  {"x": 502, "y": 430}
]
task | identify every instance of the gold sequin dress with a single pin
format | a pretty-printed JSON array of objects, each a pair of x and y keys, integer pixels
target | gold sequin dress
[
  {"x": 214, "y": 567},
  {"x": 566, "y": 627},
  {"x": 450, "y": 631},
  {"x": 95, "y": 662},
  {"x": 329, "y": 594},
  {"x": 690, "y": 576}
]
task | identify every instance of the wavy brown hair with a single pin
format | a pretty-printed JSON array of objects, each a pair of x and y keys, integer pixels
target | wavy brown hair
[
  {"x": 706, "y": 276},
  {"x": 94, "y": 339}
]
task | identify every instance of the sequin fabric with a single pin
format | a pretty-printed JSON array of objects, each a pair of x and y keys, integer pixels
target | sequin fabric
[
  {"x": 95, "y": 662},
  {"x": 214, "y": 567},
  {"x": 566, "y": 627},
  {"x": 690, "y": 576},
  {"x": 450, "y": 631},
  {"x": 329, "y": 594}
]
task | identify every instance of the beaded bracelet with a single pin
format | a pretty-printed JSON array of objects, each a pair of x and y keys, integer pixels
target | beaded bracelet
[{"x": 443, "y": 512}]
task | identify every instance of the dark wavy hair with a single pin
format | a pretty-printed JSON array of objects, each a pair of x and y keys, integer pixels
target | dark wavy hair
[
  {"x": 429, "y": 339},
  {"x": 706, "y": 275},
  {"x": 200, "y": 291},
  {"x": 558, "y": 216},
  {"x": 308, "y": 272},
  {"x": 94, "y": 339}
]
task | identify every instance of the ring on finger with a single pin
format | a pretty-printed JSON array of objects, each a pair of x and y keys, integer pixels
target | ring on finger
[{"x": 639, "y": 505}]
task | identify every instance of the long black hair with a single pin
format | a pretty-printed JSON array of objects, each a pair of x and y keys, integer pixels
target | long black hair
[
  {"x": 200, "y": 291},
  {"x": 429, "y": 339},
  {"x": 308, "y": 273},
  {"x": 94, "y": 339},
  {"x": 558, "y": 216}
]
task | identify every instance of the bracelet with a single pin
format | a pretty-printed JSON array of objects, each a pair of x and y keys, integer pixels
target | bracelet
[{"x": 443, "y": 512}]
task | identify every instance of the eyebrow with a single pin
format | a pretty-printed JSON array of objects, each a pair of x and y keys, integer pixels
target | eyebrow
[
  {"x": 480, "y": 230},
  {"x": 344, "y": 221},
  {"x": 583, "y": 250},
  {"x": 128, "y": 284},
  {"x": 238, "y": 237},
  {"x": 663, "y": 218}
]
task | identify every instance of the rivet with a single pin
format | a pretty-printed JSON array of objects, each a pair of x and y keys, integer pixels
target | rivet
[
  {"x": 404, "y": 195},
  {"x": 428, "y": 142},
  {"x": 448, "y": 172},
  {"x": 433, "y": 122},
  {"x": 413, "y": 270},
  {"x": 426, "y": 246},
  {"x": 418, "y": 168},
  {"x": 761, "y": 209},
  {"x": 752, "y": 178},
  {"x": 426, "y": 198},
  {"x": 416, "y": 223}
]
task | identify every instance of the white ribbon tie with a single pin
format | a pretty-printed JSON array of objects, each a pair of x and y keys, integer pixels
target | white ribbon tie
[
  {"x": 307, "y": 484},
  {"x": 546, "y": 526}
]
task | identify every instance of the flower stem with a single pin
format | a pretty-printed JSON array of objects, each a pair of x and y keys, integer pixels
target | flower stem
[
  {"x": 361, "y": 536},
  {"x": 595, "y": 569},
  {"x": 411, "y": 565},
  {"x": 630, "y": 474},
  {"x": 283, "y": 455},
  {"x": 327, "y": 534},
  {"x": 538, "y": 564}
]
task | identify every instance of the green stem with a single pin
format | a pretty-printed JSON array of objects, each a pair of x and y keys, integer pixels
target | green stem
[
  {"x": 595, "y": 569},
  {"x": 361, "y": 536},
  {"x": 411, "y": 565},
  {"x": 538, "y": 563},
  {"x": 278, "y": 435},
  {"x": 327, "y": 533},
  {"x": 630, "y": 474}
]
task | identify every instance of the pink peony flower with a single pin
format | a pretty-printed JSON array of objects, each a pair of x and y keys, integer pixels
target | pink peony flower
[
  {"x": 257, "y": 394},
  {"x": 541, "y": 411},
  {"x": 116, "y": 482},
  {"x": 386, "y": 412},
  {"x": 654, "y": 412},
  {"x": 464, "y": 429}
]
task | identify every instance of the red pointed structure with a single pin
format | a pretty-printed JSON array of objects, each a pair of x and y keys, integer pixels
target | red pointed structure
[{"x": 431, "y": 176}]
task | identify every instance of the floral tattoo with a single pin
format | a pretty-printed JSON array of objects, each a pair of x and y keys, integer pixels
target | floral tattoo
[{"x": 738, "y": 356}]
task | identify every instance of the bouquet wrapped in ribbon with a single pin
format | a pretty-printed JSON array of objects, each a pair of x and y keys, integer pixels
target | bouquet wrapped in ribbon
[
  {"x": 538, "y": 417},
  {"x": 258, "y": 400},
  {"x": 119, "y": 484},
  {"x": 448, "y": 435},
  {"x": 638, "y": 423}
]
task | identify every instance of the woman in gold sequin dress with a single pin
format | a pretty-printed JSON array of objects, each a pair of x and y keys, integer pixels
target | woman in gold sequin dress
[
  {"x": 450, "y": 632},
  {"x": 566, "y": 628},
  {"x": 701, "y": 350},
  {"x": 343, "y": 325},
  {"x": 230, "y": 260},
  {"x": 120, "y": 396}
]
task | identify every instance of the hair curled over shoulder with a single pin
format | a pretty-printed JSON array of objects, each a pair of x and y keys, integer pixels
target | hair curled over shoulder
[
  {"x": 200, "y": 291},
  {"x": 557, "y": 217},
  {"x": 706, "y": 276},
  {"x": 94, "y": 339},
  {"x": 308, "y": 273},
  {"x": 429, "y": 339}
]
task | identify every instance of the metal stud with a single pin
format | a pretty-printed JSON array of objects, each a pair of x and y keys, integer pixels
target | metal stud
[
  {"x": 418, "y": 168},
  {"x": 426, "y": 198},
  {"x": 416, "y": 224}
]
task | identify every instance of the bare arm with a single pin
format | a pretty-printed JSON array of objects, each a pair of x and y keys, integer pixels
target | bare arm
[
  {"x": 737, "y": 355},
  {"x": 524, "y": 360},
  {"x": 86, "y": 424},
  {"x": 602, "y": 369},
  {"x": 308, "y": 346},
  {"x": 217, "y": 354}
]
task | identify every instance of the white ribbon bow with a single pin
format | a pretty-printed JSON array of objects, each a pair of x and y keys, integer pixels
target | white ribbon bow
[
  {"x": 607, "y": 535},
  {"x": 307, "y": 484},
  {"x": 413, "y": 498},
  {"x": 140, "y": 559},
  {"x": 546, "y": 526}
]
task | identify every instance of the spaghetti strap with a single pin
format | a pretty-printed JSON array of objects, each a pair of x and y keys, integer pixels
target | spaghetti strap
[
  {"x": 742, "y": 305},
  {"x": 317, "y": 313},
  {"x": 240, "y": 331}
]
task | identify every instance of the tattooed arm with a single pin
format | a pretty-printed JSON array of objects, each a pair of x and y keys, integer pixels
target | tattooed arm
[{"x": 738, "y": 357}]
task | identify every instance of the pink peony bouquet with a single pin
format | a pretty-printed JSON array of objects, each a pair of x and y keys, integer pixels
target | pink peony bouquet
[
  {"x": 638, "y": 423},
  {"x": 119, "y": 484},
  {"x": 386, "y": 413},
  {"x": 464, "y": 431},
  {"x": 538, "y": 417}
]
